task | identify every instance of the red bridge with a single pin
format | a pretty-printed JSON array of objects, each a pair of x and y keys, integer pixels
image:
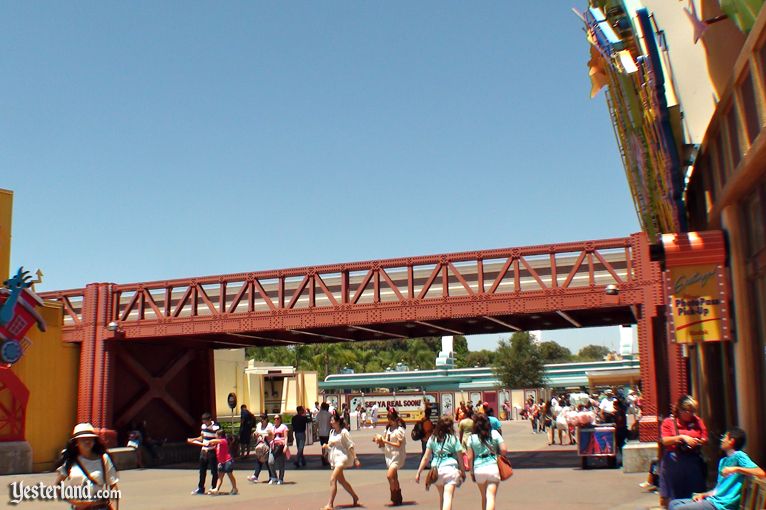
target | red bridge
[{"x": 156, "y": 338}]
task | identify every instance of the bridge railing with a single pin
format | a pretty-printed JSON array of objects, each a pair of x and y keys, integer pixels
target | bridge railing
[{"x": 527, "y": 270}]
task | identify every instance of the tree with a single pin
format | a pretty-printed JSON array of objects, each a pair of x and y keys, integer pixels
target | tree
[
  {"x": 553, "y": 352},
  {"x": 518, "y": 363},
  {"x": 482, "y": 358},
  {"x": 593, "y": 353}
]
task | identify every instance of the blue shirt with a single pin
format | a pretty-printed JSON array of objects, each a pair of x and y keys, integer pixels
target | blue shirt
[
  {"x": 728, "y": 489},
  {"x": 484, "y": 453},
  {"x": 494, "y": 423},
  {"x": 444, "y": 452}
]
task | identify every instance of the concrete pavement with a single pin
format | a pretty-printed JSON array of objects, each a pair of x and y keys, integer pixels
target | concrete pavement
[{"x": 545, "y": 478}]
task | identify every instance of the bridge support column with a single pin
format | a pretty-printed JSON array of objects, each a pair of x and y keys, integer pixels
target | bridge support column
[{"x": 96, "y": 384}]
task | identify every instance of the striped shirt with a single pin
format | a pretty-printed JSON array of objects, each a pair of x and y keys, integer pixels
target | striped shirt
[{"x": 208, "y": 432}]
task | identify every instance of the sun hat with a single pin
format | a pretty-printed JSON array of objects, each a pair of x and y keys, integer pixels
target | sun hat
[{"x": 84, "y": 430}]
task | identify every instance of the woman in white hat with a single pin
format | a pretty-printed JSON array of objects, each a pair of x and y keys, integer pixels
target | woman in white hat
[{"x": 85, "y": 462}]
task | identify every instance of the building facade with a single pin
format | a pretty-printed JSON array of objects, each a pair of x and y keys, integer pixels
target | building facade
[{"x": 686, "y": 86}]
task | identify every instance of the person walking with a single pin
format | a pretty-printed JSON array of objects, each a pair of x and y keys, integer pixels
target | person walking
[
  {"x": 207, "y": 458},
  {"x": 682, "y": 469},
  {"x": 393, "y": 441},
  {"x": 299, "y": 423},
  {"x": 447, "y": 454},
  {"x": 323, "y": 429},
  {"x": 225, "y": 462},
  {"x": 484, "y": 445},
  {"x": 340, "y": 451},
  {"x": 264, "y": 431},
  {"x": 246, "y": 424},
  {"x": 277, "y": 455},
  {"x": 85, "y": 462}
]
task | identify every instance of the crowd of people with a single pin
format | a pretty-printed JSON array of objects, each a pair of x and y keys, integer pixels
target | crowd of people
[
  {"x": 449, "y": 453},
  {"x": 453, "y": 447}
]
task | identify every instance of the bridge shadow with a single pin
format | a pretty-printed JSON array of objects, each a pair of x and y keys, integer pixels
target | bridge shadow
[{"x": 375, "y": 461}]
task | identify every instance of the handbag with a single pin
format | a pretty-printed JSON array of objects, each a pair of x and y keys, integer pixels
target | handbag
[
  {"x": 504, "y": 467},
  {"x": 287, "y": 453}
]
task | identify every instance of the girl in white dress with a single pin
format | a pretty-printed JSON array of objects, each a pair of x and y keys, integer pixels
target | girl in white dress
[
  {"x": 393, "y": 441},
  {"x": 342, "y": 456}
]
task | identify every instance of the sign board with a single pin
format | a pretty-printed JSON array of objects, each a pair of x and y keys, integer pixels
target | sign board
[
  {"x": 698, "y": 304},
  {"x": 232, "y": 399},
  {"x": 409, "y": 406},
  {"x": 596, "y": 442}
]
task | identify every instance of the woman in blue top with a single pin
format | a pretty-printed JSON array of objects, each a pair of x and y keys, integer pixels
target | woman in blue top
[
  {"x": 731, "y": 472},
  {"x": 484, "y": 446},
  {"x": 447, "y": 454}
]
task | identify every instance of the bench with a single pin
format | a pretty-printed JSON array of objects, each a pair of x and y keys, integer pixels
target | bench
[
  {"x": 124, "y": 458},
  {"x": 753, "y": 495}
]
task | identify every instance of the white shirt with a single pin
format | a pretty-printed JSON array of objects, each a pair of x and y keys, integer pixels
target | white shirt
[
  {"x": 95, "y": 468},
  {"x": 607, "y": 405},
  {"x": 262, "y": 433}
]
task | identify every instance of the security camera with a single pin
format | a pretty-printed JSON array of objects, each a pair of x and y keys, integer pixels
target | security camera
[
  {"x": 112, "y": 326},
  {"x": 611, "y": 290}
]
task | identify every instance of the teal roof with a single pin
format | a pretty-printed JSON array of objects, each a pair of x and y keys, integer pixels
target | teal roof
[{"x": 556, "y": 375}]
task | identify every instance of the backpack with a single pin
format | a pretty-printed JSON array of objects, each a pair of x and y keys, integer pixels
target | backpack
[{"x": 417, "y": 432}]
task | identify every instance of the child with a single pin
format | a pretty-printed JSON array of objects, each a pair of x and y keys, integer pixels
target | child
[
  {"x": 731, "y": 468},
  {"x": 225, "y": 462}
]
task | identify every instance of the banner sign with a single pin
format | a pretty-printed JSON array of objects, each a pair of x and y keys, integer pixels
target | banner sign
[
  {"x": 409, "y": 406},
  {"x": 698, "y": 304}
]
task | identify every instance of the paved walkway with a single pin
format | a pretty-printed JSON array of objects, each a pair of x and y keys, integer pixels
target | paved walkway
[{"x": 545, "y": 478}]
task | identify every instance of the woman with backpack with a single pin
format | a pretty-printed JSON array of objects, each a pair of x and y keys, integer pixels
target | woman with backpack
[
  {"x": 447, "y": 470},
  {"x": 85, "y": 462},
  {"x": 484, "y": 446},
  {"x": 263, "y": 433},
  {"x": 393, "y": 441}
]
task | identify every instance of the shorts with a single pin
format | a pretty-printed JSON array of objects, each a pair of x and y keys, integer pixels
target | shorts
[
  {"x": 226, "y": 467},
  {"x": 449, "y": 475},
  {"x": 487, "y": 473}
]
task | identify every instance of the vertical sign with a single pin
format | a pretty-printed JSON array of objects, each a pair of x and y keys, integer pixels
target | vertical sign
[{"x": 696, "y": 287}]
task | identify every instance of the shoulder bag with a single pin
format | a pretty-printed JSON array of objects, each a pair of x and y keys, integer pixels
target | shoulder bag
[
  {"x": 503, "y": 464},
  {"x": 107, "y": 503}
]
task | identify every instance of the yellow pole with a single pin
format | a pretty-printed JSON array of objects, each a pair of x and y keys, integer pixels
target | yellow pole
[{"x": 6, "y": 210}]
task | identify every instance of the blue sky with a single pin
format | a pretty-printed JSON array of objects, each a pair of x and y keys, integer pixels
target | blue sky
[{"x": 151, "y": 140}]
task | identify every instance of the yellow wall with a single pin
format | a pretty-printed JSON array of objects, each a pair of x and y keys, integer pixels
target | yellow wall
[
  {"x": 49, "y": 369},
  {"x": 230, "y": 367},
  {"x": 6, "y": 209}
]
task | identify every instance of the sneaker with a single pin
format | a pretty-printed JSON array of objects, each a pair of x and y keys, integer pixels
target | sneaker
[
  {"x": 198, "y": 492},
  {"x": 272, "y": 482},
  {"x": 279, "y": 482},
  {"x": 213, "y": 492},
  {"x": 234, "y": 492},
  {"x": 253, "y": 479}
]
